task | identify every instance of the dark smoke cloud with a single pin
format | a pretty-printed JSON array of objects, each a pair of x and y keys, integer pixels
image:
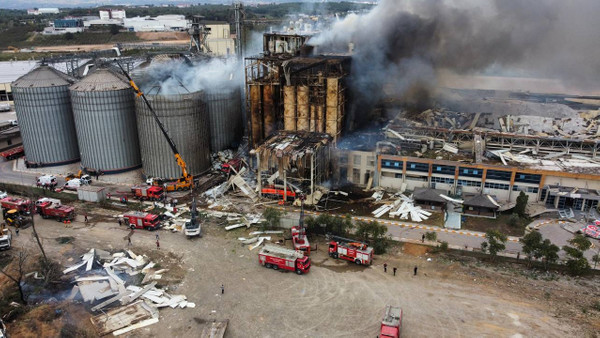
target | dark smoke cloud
[{"x": 407, "y": 42}]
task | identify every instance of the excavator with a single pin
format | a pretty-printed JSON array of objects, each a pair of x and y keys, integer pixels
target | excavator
[{"x": 186, "y": 181}]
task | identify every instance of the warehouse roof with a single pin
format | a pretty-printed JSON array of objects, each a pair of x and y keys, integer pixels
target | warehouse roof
[
  {"x": 429, "y": 195},
  {"x": 101, "y": 80},
  {"x": 43, "y": 76},
  {"x": 481, "y": 201},
  {"x": 12, "y": 70}
]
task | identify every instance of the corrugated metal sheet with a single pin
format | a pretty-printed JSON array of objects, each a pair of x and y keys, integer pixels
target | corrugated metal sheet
[
  {"x": 43, "y": 108},
  {"x": 104, "y": 111},
  {"x": 224, "y": 108},
  {"x": 186, "y": 119}
]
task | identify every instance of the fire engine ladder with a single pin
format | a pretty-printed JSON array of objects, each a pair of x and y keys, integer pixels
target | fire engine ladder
[
  {"x": 284, "y": 251},
  {"x": 345, "y": 240}
]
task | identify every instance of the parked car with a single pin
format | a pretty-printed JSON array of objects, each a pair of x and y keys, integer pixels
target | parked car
[
  {"x": 86, "y": 179},
  {"x": 4, "y": 106},
  {"x": 75, "y": 183},
  {"x": 13, "y": 123},
  {"x": 3, "y": 194}
]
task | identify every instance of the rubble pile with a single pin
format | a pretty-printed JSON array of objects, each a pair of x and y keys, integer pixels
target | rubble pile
[
  {"x": 137, "y": 304},
  {"x": 404, "y": 207},
  {"x": 217, "y": 159}
]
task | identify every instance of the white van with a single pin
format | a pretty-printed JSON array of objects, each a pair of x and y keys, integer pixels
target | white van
[
  {"x": 74, "y": 184},
  {"x": 46, "y": 180}
]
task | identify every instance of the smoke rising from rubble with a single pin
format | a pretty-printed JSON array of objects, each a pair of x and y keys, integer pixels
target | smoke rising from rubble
[
  {"x": 404, "y": 44},
  {"x": 179, "y": 77}
]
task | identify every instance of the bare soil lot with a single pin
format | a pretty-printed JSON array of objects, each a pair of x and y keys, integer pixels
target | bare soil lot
[{"x": 448, "y": 298}]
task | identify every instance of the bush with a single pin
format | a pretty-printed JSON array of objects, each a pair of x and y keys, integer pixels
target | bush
[
  {"x": 444, "y": 246},
  {"x": 431, "y": 236},
  {"x": 328, "y": 224},
  {"x": 273, "y": 217},
  {"x": 513, "y": 220}
]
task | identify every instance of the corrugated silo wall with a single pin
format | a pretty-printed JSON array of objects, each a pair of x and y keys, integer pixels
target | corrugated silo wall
[
  {"x": 224, "y": 108},
  {"x": 46, "y": 123},
  {"x": 186, "y": 119},
  {"x": 106, "y": 130}
]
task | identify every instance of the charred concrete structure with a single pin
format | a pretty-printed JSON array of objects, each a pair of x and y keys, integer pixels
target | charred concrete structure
[{"x": 288, "y": 89}]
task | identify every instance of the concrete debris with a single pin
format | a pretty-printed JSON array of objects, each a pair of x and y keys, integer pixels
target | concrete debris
[
  {"x": 450, "y": 148},
  {"x": 234, "y": 226},
  {"x": 87, "y": 260},
  {"x": 123, "y": 317},
  {"x": 221, "y": 157},
  {"x": 378, "y": 195},
  {"x": 404, "y": 207}
]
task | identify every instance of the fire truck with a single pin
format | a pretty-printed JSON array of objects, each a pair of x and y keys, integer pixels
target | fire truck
[
  {"x": 276, "y": 257},
  {"x": 13, "y": 153},
  {"x": 145, "y": 192},
  {"x": 48, "y": 208},
  {"x": 391, "y": 323},
  {"x": 142, "y": 220},
  {"x": 350, "y": 250},
  {"x": 23, "y": 206},
  {"x": 592, "y": 230}
]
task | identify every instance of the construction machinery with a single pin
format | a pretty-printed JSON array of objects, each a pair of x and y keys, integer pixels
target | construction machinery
[
  {"x": 142, "y": 220},
  {"x": 71, "y": 176},
  {"x": 23, "y": 206},
  {"x": 192, "y": 227},
  {"x": 14, "y": 218},
  {"x": 186, "y": 181},
  {"x": 48, "y": 208},
  {"x": 350, "y": 250},
  {"x": 299, "y": 238},
  {"x": 391, "y": 325},
  {"x": 276, "y": 257}
]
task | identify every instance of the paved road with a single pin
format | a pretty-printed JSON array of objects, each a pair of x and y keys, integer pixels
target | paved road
[{"x": 398, "y": 230}]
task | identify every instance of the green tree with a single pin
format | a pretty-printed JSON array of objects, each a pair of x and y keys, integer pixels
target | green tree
[
  {"x": 114, "y": 29},
  {"x": 531, "y": 245},
  {"x": 273, "y": 217},
  {"x": 328, "y": 224},
  {"x": 549, "y": 253},
  {"x": 521, "y": 204},
  {"x": 374, "y": 234},
  {"x": 577, "y": 263},
  {"x": 494, "y": 243},
  {"x": 596, "y": 260},
  {"x": 69, "y": 36},
  {"x": 513, "y": 220}
]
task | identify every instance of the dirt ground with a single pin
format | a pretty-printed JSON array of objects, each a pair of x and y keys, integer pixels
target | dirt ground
[
  {"x": 501, "y": 223},
  {"x": 448, "y": 297},
  {"x": 157, "y": 36}
]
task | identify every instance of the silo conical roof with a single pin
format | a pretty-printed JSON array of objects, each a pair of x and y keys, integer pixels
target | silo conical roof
[
  {"x": 101, "y": 80},
  {"x": 43, "y": 76}
]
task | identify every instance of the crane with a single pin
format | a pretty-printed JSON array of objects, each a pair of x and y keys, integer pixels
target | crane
[{"x": 186, "y": 180}]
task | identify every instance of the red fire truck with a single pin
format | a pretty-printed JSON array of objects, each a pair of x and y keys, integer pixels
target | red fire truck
[
  {"x": 391, "y": 323},
  {"x": 147, "y": 192},
  {"x": 277, "y": 191},
  {"x": 23, "y": 206},
  {"x": 276, "y": 257},
  {"x": 48, "y": 209},
  {"x": 142, "y": 220},
  {"x": 350, "y": 250},
  {"x": 13, "y": 153},
  {"x": 300, "y": 240}
]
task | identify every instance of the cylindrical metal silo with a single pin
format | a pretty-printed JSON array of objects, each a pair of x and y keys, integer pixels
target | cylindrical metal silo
[
  {"x": 224, "y": 108},
  {"x": 186, "y": 119},
  {"x": 43, "y": 108},
  {"x": 104, "y": 111}
]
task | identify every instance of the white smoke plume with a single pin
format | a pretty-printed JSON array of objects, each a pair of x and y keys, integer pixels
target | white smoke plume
[{"x": 180, "y": 77}]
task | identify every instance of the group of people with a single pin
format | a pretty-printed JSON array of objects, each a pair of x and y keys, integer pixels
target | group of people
[{"x": 394, "y": 269}]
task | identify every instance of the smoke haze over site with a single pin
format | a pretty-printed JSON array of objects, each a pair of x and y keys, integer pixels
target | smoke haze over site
[{"x": 408, "y": 42}]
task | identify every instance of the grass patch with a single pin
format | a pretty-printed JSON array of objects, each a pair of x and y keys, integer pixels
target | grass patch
[{"x": 501, "y": 223}]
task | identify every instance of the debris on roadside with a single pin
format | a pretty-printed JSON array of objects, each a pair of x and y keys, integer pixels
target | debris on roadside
[{"x": 108, "y": 283}]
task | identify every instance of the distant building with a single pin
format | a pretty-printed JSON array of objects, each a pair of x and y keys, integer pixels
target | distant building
[
  {"x": 219, "y": 40},
  {"x": 10, "y": 71},
  {"x": 67, "y": 25},
  {"x": 161, "y": 23},
  {"x": 108, "y": 14},
  {"x": 40, "y": 11}
]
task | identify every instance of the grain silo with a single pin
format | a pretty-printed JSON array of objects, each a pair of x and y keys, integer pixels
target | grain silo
[
  {"x": 186, "y": 119},
  {"x": 104, "y": 111},
  {"x": 43, "y": 108},
  {"x": 224, "y": 108}
]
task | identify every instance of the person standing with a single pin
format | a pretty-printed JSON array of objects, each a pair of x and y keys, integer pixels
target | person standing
[
  {"x": 108, "y": 195},
  {"x": 86, "y": 218},
  {"x": 222, "y": 289},
  {"x": 17, "y": 231},
  {"x": 157, "y": 245},
  {"x": 423, "y": 238},
  {"x": 415, "y": 270},
  {"x": 120, "y": 222},
  {"x": 128, "y": 240},
  {"x": 395, "y": 271},
  {"x": 157, "y": 238},
  {"x": 385, "y": 267}
]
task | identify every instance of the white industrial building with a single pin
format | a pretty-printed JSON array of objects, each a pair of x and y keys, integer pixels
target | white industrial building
[
  {"x": 40, "y": 11},
  {"x": 161, "y": 23},
  {"x": 116, "y": 14}
]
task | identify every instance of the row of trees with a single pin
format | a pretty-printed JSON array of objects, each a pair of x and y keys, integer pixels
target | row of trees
[{"x": 535, "y": 247}]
